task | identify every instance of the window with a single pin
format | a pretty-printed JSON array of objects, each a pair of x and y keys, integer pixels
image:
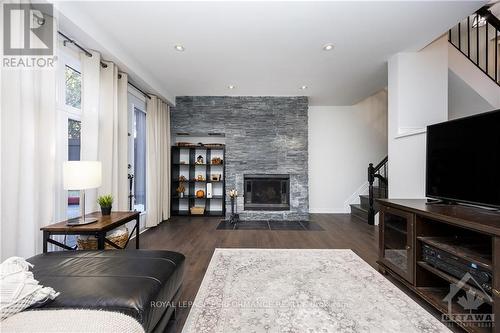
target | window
[
  {"x": 74, "y": 127},
  {"x": 140, "y": 159},
  {"x": 73, "y": 87},
  {"x": 69, "y": 105},
  {"x": 137, "y": 148}
]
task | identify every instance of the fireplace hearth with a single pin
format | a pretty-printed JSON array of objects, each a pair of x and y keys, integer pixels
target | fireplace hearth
[{"x": 267, "y": 192}]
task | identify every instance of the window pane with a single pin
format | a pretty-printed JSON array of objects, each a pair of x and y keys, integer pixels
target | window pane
[
  {"x": 140, "y": 160},
  {"x": 74, "y": 127},
  {"x": 73, "y": 87}
]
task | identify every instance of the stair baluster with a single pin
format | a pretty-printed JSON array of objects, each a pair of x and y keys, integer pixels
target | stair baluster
[{"x": 485, "y": 46}]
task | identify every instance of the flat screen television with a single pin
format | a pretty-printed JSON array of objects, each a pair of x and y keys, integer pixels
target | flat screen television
[{"x": 463, "y": 160}]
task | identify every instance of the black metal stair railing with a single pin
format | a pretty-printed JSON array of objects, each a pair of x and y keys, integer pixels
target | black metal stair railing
[
  {"x": 377, "y": 173},
  {"x": 477, "y": 37}
]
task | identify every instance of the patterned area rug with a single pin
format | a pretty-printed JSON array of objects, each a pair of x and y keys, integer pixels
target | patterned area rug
[{"x": 264, "y": 290}]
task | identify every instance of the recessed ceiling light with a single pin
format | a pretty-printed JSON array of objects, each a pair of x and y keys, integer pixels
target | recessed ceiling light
[
  {"x": 179, "y": 48},
  {"x": 231, "y": 87},
  {"x": 328, "y": 47},
  {"x": 303, "y": 87}
]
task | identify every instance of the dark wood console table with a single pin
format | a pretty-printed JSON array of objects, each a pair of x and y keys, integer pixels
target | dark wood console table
[
  {"x": 99, "y": 228},
  {"x": 467, "y": 235}
]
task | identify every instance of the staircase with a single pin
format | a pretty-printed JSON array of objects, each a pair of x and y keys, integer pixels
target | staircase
[
  {"x": 478, "y": 38},
  {"x": 377, "y": 188}
]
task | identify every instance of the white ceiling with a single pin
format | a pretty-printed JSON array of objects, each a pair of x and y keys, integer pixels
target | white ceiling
[{"x": 263, "y": 48}]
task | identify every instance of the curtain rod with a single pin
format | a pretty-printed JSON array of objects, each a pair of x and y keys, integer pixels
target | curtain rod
[
  {"x": 137, "y": 88},
  {"x": 104, "y": 65}
]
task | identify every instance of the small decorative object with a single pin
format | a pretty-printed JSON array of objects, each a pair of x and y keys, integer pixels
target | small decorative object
[
  {"x": 213, "y": 145},
  {"x": 180, "y": 190},
  {"x": 199, "y": 160},
  {"x": 185, "y": 144},
  {"x": 216, "y": 160},
  {"x": 182, "y": 179},
  {"x": 209, "y": 190},
  {"x": 200, "y": 194},
  {"x": 215, "y": 178},
  {"x": 233, "y": 194},
  {"x": 182, "y": 162},
  {"x": 200, "y": 178},
  {"x": 106, "y": 202},
  {"x": 197, "y": 210}
]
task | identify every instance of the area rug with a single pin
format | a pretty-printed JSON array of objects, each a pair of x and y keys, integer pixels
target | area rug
[{"x": 269, "y": 290}]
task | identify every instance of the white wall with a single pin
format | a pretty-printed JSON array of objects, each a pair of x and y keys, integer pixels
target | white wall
[
  {"x": 474, "y": 77},
  {"x": 418, "y": 96},
  {"x": 343, "y": 140},
  {"x": 464, "y": 101}
]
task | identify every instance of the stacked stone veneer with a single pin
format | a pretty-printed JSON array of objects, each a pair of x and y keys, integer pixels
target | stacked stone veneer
[{"x": 264, "y": 135}]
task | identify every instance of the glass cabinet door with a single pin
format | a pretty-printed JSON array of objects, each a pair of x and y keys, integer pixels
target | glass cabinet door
[{"x": 396, "y": 251}]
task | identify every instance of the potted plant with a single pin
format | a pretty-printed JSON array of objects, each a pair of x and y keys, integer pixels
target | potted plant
[
  {"x": 180, "y": 190},
  {"x": 106, "y": 202}
]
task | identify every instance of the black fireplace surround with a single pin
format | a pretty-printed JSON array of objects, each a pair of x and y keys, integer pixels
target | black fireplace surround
[{"x": 267, "y": 192}]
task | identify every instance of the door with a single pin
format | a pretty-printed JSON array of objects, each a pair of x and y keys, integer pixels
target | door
[{"x": 396, "y": 241}]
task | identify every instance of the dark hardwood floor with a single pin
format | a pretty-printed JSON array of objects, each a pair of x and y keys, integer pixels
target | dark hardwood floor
[{"x": 197, "y": 238}]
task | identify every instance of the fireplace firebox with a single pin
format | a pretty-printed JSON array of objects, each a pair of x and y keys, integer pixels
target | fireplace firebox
[{"x": 267, "y": 192}]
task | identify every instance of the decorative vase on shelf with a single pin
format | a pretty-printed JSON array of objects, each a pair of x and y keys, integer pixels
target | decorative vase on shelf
[{"x": 200, "y": 194}]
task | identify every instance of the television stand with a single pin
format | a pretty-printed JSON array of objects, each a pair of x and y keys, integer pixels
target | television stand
[{"x": 464, "y": 234}]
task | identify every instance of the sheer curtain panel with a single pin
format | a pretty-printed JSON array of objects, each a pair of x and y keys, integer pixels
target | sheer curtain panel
[
  {"x": 28, "y": 142},
  {"x": 157, "y": 161},
  {"x": 91, "y": 69}
]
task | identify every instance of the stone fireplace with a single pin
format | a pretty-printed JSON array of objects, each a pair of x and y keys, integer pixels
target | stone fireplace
[
  {"x": 263, "y": 136},
  {"x": 267, "y": 192}
]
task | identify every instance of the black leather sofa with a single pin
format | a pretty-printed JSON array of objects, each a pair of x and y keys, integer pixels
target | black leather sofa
[{"x": 140, "y": 283}]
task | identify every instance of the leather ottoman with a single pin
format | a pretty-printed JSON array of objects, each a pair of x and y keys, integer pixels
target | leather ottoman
[{"x": 140, "y": 283}]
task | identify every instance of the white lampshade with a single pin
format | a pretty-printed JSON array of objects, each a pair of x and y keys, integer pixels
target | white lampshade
[{"x": 81, "y": 175}]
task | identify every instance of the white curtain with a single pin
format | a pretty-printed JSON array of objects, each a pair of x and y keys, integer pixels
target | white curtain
[
  {"x": 91, "y": 69},
  {"x": 28, "y": 140},
  {"x": 121, "y": 196},
  {"x": 157, "y": 161},
  {"x": 113, "y": 135},
  {"x": 104, "y": 128}
]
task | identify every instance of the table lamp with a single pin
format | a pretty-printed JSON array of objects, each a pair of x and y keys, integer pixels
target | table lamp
[{"x": 81, "y": 176}]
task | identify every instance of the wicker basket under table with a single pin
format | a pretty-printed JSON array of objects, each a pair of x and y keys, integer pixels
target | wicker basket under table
[{"x": 90, "y": 243}]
